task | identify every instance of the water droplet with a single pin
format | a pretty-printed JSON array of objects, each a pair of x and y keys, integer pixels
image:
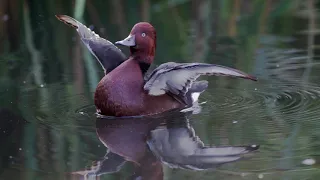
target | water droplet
[
  {"x": 234, "y": 122},
  {"x": 278, "y": 65},
  {"x": 260, "y": 176},
  {"x": 308, "y": 162},
  {"x": 10, "y": 157},
  {"x": 41, "y": 85},
  {"x": 82, "y": 113},
  {"x": 20, "y": 149},
  {"x": 255, "y": 89},
  {"x": 24, "y": 82}
]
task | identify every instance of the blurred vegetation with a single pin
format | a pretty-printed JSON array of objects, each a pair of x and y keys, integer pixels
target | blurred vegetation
[{"x": 46, "y": 74}]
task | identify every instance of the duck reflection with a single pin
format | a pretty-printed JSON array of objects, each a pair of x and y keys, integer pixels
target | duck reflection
[{"x": 148, "y": 142}]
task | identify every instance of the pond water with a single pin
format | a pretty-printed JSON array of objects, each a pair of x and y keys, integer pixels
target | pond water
[{"x": 49, "y": 129}]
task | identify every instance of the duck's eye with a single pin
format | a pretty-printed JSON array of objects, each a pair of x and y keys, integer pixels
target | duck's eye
[{"x": 143, "y": 34}]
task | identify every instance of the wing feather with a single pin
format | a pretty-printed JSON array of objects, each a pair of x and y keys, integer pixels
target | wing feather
[
  {"x": 107, "y": 54},
  {"x": 178, "y": 78}
]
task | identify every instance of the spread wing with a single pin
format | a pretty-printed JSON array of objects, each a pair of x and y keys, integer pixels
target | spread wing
[
  {"x": 108, "y": 55},
  {"x": 177, "y": 78},
  {"x": 177, "y": 145}
]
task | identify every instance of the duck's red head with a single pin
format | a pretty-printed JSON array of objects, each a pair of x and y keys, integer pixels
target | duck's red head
[{"x": 142, "y": 42}]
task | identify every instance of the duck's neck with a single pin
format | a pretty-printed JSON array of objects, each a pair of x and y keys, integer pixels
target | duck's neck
[
  {"x": 144, "y": 67},
  {"x": 143, "y": 60}
]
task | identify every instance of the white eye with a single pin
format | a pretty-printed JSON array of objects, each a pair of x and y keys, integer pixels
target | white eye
[{"x": 143, "y": 34}]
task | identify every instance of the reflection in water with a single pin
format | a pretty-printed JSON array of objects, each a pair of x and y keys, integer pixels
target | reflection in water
[{"x": 149, "y": 141}]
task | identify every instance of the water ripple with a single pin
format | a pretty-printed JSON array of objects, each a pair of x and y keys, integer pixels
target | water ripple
[{"x": 285, "y": 99}]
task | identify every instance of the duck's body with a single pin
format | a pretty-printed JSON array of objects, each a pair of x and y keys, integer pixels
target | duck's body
[
  {"x": 120, "y": 93},
  {"x": 125, "y": 90}
]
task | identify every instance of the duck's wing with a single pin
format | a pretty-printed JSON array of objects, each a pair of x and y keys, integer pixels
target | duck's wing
[
  {"x": 108, "y": 55},
  {"x": 178, "y": 78},
  {"x": 178, "y": 146}
]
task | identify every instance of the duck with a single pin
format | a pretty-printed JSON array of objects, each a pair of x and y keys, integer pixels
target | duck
[{"x": 130, "y": 88}]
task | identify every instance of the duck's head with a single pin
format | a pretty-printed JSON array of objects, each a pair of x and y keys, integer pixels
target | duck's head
[{"x": 141, "y": 40}]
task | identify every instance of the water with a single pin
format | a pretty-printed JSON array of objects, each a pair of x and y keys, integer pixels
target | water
[{"x": 49, "y": 129}]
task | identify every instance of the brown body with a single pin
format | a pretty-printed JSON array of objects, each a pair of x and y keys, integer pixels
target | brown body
[{"x": 120, "y": 93}]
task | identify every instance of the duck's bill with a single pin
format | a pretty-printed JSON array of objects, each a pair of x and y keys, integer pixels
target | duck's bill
[{"x": 128, "y": 41}]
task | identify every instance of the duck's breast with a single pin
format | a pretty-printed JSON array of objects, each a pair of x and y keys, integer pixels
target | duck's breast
[{"x": 119, "y": 93}]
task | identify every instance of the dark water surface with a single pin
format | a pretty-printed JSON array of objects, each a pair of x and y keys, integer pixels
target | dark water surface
[{"x": 49, "y": 129}]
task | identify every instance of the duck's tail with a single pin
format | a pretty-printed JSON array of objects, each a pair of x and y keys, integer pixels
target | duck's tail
[{"x": 196, "y": 89}]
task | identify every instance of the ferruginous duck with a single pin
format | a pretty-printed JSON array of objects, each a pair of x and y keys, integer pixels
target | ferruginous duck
[{"x": 127, "y": 90}]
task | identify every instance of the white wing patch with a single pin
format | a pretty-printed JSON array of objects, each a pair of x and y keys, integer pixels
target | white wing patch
[{"x": 195, "y": 96}]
